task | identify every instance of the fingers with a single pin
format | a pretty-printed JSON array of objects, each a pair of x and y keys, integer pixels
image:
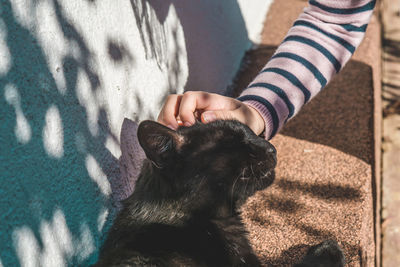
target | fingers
[
  {"x": 192, "y": 102},
  {"x": 254, "y": 119},
  {"x": 210, "y": 116},
  {"x": 169, "y": 112},
  {"x": 245, "y": 114}
]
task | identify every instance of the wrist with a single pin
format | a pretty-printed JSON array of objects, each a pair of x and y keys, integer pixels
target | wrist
[
  {"x": 256, "y": 121},
  {"x": 268, "y": 123}
]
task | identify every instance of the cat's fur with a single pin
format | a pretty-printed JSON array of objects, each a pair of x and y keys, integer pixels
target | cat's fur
[{"x": 184, "y": 210}]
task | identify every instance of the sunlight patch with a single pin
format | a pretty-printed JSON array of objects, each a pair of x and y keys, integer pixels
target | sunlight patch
[
  {"x": 59, "y": 246},
  {"x": 22, "y": 10},
  {"x": 22, "y": 128},
  {"x": 88, "y": 99},
  {"x": 86, "y": 245},
  {"x": 5, "y": 56},
  {"x": 101, "y": 220},
  {"x": 177, "y": 65},
  {"x": 51, "y": 254},
  {"x": 97, "y": 175},
  {"x": 113, "y": 146},
  {"x": 53, "y": 42},
  {"x": 62, "y": 233},
  {"x": 26, "y": 246},
  {"x": 53, "y": 136}
]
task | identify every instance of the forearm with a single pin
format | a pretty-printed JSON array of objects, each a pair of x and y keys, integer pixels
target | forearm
[{"x": 319, "y": 44}]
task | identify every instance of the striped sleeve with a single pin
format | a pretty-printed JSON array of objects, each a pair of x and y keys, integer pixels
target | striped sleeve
[{"x": 318, "y": 45}]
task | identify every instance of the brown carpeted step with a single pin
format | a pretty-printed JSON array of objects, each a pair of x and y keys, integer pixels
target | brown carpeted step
[{"x": 325, "y": 182}]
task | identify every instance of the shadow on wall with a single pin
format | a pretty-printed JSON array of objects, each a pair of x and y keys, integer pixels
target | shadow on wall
[
  {"x": 215, "y": 33},
  {"x": 57, "y": 176},
  {"x": 52, "y": 209}
]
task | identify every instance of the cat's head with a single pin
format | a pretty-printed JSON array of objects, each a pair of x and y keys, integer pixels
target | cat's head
[{"x": 216, "y": 163}]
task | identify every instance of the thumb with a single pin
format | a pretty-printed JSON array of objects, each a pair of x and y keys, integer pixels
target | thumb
[{"x": 209, "y": 116}]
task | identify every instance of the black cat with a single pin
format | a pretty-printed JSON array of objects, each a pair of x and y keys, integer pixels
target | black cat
[{"x": 184, "y": 210}]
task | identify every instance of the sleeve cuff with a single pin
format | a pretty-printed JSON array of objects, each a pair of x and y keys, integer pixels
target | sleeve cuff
[{"x": 263, "y": 111}]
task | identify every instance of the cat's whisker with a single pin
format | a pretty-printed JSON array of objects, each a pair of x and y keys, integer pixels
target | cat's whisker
[
  {"x": 266, "y": 174},
  {"x": 245, "y": 188},
  {"x": 251, "y": 168},
  {"x": 241, "y": 175}
]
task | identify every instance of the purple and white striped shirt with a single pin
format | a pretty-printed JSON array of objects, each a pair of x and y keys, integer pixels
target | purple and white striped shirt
[{"x": 319, "y": 44}]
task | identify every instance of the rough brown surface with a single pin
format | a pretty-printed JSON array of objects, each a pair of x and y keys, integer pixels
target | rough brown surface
[{"x": 325, "y": 183}]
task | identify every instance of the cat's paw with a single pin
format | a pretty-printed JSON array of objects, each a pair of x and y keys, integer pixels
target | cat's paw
[{"x": 325, "y": 254}]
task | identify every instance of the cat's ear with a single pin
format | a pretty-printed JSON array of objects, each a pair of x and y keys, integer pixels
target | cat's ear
[{"x": 160, "y": 143}]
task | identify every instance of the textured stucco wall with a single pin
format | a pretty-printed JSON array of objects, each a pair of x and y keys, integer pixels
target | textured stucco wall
[{"x": 70, "y": 71}]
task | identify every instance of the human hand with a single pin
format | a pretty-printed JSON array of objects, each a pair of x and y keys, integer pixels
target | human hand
[{"x": 185, "y": 109}]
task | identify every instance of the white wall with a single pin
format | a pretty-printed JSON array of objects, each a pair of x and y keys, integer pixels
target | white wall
[
  {"x": 70, "y": 72},
  {"x": 253, "y": 13}
]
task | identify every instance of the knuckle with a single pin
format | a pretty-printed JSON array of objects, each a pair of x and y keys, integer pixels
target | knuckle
[
  {"x": 189, "y": 93},
  {"x": 171, "y": 96},
  {"x": 206, "y": 95},
  {"x": 184, "y": 115}
]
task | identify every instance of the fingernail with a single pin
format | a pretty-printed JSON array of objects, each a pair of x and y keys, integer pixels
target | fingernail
[
  {"x": 171, "y": 127},
  {"x": 187, "y": 124},
  {"x": 209, "y": 116}
]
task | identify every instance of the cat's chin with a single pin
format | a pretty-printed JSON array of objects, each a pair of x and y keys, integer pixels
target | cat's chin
[
  {"x": 254, "y": 173},
  {"x": 249, "y": 185},
  {"x": 266, "y": 179},
  {"x": 268, "y": 174}
]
